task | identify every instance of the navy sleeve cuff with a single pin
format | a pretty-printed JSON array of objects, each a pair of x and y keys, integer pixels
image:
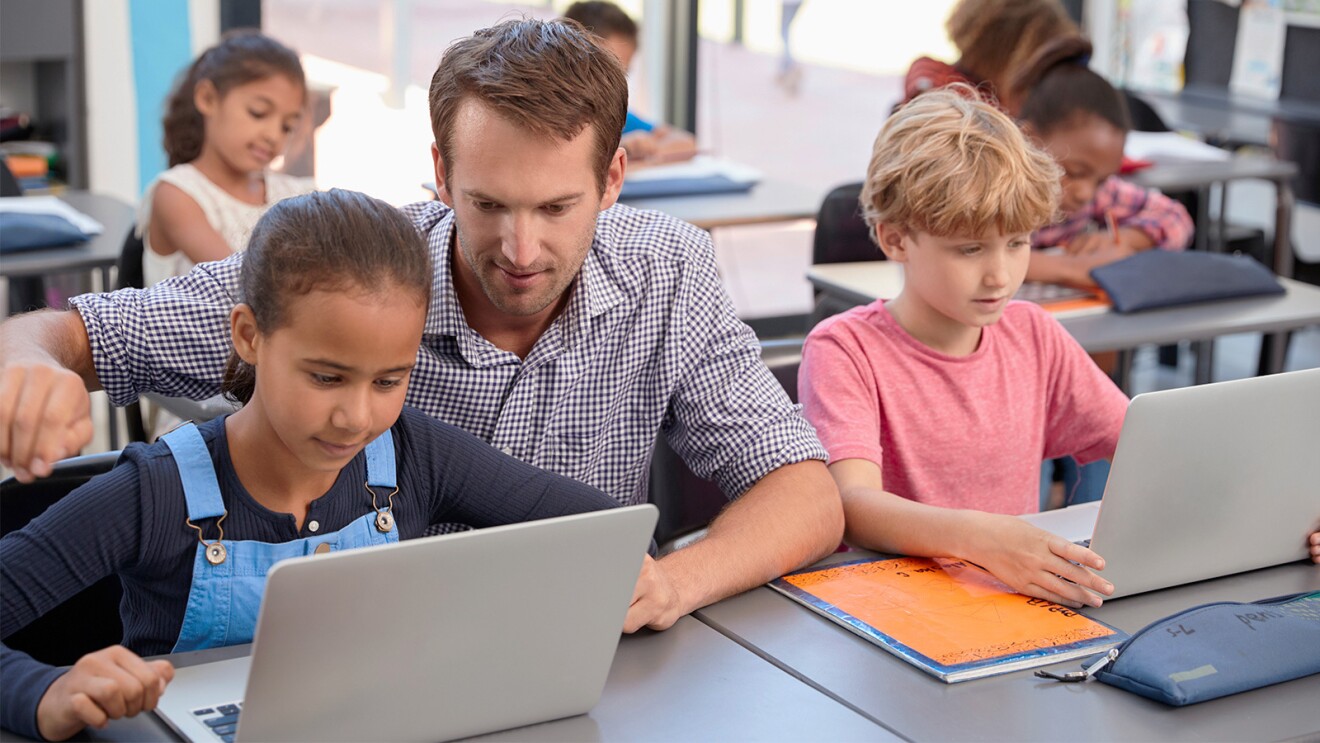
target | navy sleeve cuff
[{"x": 25, "y": 682}]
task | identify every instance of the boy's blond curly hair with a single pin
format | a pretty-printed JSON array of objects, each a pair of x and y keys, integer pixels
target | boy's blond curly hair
[{"x": 948, "y": 165}]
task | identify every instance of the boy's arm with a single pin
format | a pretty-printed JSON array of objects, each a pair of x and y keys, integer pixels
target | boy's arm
[
  {"x": 1029, "y": 560},
  {"x": 45, "y": 374}
]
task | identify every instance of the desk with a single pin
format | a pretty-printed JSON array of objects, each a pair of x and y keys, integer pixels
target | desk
[
  {"x": 1221, "y": 116},
  {"x": 687, "y": 683},
  {"x": 99, "y": 254},
  {"x": 1018, "y": 706},
  {"x": 1298, "y": 307},
  {"x": 768, "y": 202}
]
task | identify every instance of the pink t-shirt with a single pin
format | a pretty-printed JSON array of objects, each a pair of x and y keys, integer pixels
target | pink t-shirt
[{"x": 960, "y": 432}]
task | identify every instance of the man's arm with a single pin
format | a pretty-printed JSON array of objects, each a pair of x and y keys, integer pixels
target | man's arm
[
  {"x": 45, "y": 373},
  {"x": 789, "y": 518}
]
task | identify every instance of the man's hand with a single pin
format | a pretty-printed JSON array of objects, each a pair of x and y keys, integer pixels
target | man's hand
[
  {"x": 45, "y": 416},
  {"x": 102, "y": 686},
  {"x": 655, "y": 601},
  {"x": 1037, "y": 563}
]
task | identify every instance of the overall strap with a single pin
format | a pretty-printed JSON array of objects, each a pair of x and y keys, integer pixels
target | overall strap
[
  {"x": 381, "y": 462},
  {"x": 200, "y": 487}
]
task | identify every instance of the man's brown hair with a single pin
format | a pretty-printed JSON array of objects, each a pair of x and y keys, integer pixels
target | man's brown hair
[{"x": 548, "y": 77}]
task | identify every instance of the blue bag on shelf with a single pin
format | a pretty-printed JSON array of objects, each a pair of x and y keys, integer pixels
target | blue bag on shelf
[
  {"x": 28, "y": 231},
  {"x": 1164, "y": 278},
  {"x": 1214, "y": 650}
]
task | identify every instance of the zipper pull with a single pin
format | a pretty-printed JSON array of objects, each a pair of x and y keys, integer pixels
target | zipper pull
[{"x": 1084, "y": 674}]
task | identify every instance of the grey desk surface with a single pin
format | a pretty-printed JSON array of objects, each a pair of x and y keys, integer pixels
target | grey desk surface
[
  {"x": 1185, "y": 176},
  {"x": 1218, "y": 114},
  {"x": 687, "y": 683},
  {"x": 864, "y": 282},
  {"x": 1018, "y": 706},
  {"x": 101, "y": 252},
  {"x": 768, "y": 202}
]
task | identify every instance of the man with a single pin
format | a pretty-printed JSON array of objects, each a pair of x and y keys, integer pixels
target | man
[{"x": 561, "y": 330}]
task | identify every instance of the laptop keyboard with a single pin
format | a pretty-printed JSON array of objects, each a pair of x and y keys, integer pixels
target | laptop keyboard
[{"x": 221, "y": 719}]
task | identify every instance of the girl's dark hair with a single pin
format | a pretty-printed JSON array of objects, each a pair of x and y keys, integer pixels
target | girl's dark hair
[
  {"x": 1056, "y": 85},
  {"x": 329, "y": 241},
  {"x": 242, "y": 56}
]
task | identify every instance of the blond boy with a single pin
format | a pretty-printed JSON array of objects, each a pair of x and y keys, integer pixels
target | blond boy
[{"x": 937, "y": 406}]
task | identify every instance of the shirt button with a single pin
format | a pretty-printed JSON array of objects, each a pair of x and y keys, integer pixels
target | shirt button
[{"x": 313, "y": 525}]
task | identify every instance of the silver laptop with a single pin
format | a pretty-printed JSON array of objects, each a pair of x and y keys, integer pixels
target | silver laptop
[
  {"x": 1207, "y": 481},
  {"x": 428, "y": 639}
]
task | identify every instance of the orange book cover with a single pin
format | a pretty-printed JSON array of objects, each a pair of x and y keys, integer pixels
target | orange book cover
[{"x": 947, "y": 617}]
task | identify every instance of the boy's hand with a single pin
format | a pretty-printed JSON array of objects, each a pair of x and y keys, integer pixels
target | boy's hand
[
  {"x": 1037, "y": 563},
  {"x": 45, "y": 416},
  {"x": 1315, "y": 547},
  {"x": 102, "y": 686},
  {"x": 655, "y": 601}
]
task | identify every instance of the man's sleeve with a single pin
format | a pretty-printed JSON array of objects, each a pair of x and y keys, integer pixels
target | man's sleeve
[
  {"x": 171, "y": 339},
  {"x": 729, "y": 419}
]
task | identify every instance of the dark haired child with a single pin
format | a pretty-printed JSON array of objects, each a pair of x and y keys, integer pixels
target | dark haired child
[
  {"x": 334, "y": 291},
  {"x": 646, "y": 142},
  {"x": 230, "y": 115},
  {"x": 1078, "y": 117}
]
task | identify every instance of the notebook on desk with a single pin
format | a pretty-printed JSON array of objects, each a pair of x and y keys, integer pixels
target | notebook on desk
[
  {"x": 1207, "y": 481},
  {"x": 700, "y": 175},
  {"x": 428, "y": 639}
]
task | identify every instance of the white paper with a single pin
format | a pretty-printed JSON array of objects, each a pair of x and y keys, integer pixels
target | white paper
[
  {"x": 1168, "y": 147},
  {"x": 50, "y": 205},
  {"x": 701, "y": 166},
  {"x": 1258, "y": 56}
]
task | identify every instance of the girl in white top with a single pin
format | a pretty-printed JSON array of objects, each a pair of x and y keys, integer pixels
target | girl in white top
[{"x": 229, "y": 117}]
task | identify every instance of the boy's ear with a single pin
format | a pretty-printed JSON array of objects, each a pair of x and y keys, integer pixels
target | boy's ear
[
  {"x": 891, "y": 240},
  {"x": 206, "y": 97},
  {"x": 243, "y": 330}
]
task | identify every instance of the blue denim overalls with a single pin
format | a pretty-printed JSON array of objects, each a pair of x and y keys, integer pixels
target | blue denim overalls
[{"x": 229, "y": 577}]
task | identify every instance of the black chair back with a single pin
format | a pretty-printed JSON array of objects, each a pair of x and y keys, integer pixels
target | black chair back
[
  {"x": 89, "y": 620},
  {"x": 841, "y": 233}
]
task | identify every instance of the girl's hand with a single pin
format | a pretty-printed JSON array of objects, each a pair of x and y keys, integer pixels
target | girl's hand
[
  {"x": 1037, "y": 563},
  {"x": 102, "y": 686},
  {"x": 1128, "y": 241}
]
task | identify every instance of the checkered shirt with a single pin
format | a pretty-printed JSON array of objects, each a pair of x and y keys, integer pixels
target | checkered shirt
[
  {"x": 1164, "y": 220},
  {"x": 648, "y": 342}
]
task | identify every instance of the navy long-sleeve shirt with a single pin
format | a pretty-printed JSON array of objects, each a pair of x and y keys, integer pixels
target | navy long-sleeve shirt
[{"x": 131, "y": 522}]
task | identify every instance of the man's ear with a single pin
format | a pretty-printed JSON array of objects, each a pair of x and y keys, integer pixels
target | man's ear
[
  {"x": 614, "y": 178},
  {"x": 892, "y": 240},
  {"x": 441, "y": 179},
  {"x": 243, "y": 330},
  {"x": 206, "y": 97}
]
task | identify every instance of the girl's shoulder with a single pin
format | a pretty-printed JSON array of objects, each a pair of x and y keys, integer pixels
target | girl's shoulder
[{"x": 280, "y": 186}]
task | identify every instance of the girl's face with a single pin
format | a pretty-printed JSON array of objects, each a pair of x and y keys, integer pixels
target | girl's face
[
  {"x": 1090, "y": 150},
  {"x": 334, "y": 376},
  {"x": 249, "y": 126}
]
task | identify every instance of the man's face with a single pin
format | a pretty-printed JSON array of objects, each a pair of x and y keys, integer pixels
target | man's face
[{"x": 525, "y": 210}]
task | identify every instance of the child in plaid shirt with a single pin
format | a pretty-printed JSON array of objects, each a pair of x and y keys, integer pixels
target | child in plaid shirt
[{"x": 1078, "y": 117}]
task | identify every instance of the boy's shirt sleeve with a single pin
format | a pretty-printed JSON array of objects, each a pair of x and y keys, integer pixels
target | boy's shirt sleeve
[
  {"x": 1165, "y": 221},
  {"x": 1084, "y": 408},
  {"x": 171, "y": 338},
  {"x": 840, "y": 398},
  {"x": 90, "y": 533}
]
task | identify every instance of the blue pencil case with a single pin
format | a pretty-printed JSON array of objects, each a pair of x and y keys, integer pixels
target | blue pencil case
[
  {"x": 27, "y": 231},
  {"x": 1163, "y": 278},
  {"x": 1214, "y": 650}
]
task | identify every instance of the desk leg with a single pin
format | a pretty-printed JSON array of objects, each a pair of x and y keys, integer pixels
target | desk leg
[
  {"x": 1205, "y": 361},
  {"x": 1274, "y": 347},
  {"x": 1122, "y": 374}
]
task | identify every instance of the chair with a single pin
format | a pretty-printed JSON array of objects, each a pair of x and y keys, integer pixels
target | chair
[
  {"x": 88, "y": 621},
  {"x": 841, "y": 237},
  {"x": 688, "y": 503},
  {"x": 131, "y": 275}
]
